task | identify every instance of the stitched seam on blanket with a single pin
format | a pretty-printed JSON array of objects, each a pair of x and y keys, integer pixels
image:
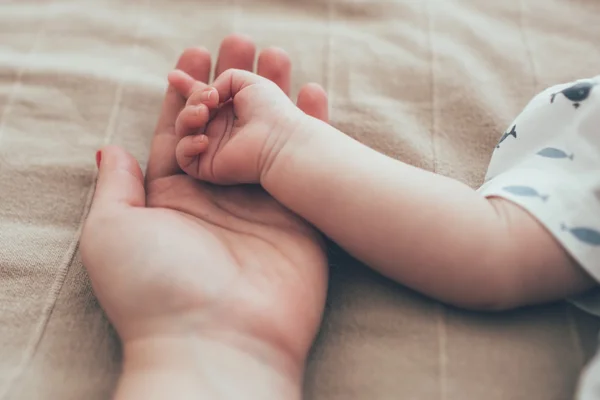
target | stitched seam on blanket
[
  {"x": 328, "y": 59},
  {"x": 61, "y": 275},
  {"x": 441, "y": 315},
  {"x": 443, "y": 355},
  {"x": 528, "y": 50},
  {"x": 574, "y": 334},
  {"x": 432, "y": 61}
]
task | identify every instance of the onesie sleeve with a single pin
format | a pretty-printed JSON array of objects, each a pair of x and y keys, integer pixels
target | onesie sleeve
[{"x": 548, "y": 162}]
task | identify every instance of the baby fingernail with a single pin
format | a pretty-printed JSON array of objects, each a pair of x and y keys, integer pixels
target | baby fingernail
[
  {"x": 198, "y": 110},
  {"x": 208, "y": 94},
  {"x": 200, "y": 138}
]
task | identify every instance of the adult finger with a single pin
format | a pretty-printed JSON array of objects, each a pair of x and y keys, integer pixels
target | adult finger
[
  {"x": 162, "y": 162},
  {"x": 236, "y": 51},
  {"x": 275, "y": 65},
  {"x": 312, "y": 99},
  {"x": 120, "y": 180}
]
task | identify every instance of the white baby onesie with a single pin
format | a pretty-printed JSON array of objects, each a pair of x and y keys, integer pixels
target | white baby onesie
[{"x": 548, "y": 162}]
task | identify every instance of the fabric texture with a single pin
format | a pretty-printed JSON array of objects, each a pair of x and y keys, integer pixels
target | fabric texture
[
  {"x": 433, "y": 83},
  {"x": 589, "y": 388}
]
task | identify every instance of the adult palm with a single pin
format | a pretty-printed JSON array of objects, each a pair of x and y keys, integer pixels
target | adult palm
[{"x": 174, "y": 256}]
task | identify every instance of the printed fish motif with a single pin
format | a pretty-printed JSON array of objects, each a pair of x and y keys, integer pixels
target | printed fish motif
[
  {"x": 524, "y": 191},
  {"x": 512, "y": 132},
  {"x": 551, "y": 152},
  {"x": 576, "y": 93},
  {"x": 585, "y": 235}
]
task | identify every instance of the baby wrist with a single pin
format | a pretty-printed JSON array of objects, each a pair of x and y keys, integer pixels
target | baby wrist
[{"x": 298, "y": 139}]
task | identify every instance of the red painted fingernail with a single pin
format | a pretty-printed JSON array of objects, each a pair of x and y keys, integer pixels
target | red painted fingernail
[{"x": 98, "y": 158}]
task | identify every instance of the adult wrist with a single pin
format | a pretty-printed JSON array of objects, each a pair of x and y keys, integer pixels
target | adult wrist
[{"x": 193, "y": 367}]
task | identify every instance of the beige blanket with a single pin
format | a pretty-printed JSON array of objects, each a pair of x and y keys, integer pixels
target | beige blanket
[{"x": 433, "y": 83}]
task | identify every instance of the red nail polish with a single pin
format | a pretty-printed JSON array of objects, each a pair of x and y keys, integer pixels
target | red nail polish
[{"x": 98, "y": 158}]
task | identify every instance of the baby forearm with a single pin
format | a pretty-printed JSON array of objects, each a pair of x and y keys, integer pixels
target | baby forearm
[{"x": 427, "y": 231}]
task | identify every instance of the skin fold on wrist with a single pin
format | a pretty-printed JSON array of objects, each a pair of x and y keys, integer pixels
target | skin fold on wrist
[{"x": 192, "y": 367}]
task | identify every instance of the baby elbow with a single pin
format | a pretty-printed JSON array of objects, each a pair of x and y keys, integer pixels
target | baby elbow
[
  {"x": 487, "y": 304},
  {"x": 490, "y": 297}
]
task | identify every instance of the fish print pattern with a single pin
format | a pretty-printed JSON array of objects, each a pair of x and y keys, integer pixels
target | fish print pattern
[
  {"x": 525, "y": 191},
  {"x": 577, "y": 93},
  {"x": 551, "y": 152},
  {"x": 512, "y": 132},
  {"x": 585, "y": 235}
]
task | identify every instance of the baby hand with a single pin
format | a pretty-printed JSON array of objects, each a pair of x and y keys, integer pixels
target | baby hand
[{"x": 232, "y": 131}]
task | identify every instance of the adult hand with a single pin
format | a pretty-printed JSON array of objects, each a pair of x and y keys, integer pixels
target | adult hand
[{"x": 221, "y": 282}]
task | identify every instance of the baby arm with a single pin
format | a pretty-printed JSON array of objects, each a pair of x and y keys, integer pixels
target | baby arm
[{"x": 429, "y": 232}]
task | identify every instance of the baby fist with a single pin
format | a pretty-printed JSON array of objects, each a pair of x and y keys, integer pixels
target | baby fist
[{"x": 232, "y": 131}]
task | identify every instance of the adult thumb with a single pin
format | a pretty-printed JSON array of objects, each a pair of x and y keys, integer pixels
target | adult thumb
[{"x": 120, "y": 180}]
